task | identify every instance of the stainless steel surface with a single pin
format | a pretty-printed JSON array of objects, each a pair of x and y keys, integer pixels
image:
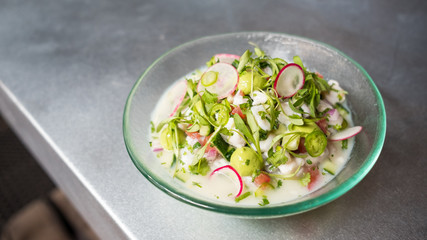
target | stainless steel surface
[{"x": 66, "y": 68}]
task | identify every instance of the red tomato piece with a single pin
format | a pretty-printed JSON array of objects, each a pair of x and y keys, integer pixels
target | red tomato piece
[
  {"x": 314, "y": 177},
  {"x": 237, "y": 110},
  {"x": 261, "y": 179},
  {"x": 194, "y": 135}
]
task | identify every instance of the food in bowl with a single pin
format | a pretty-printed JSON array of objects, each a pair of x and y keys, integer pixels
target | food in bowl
[{"x": 253, "y": 130}]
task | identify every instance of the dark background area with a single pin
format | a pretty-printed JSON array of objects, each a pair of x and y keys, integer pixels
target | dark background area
[{"x": 21, "y": 178}]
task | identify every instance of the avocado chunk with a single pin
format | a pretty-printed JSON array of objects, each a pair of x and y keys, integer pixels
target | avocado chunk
[
  {"x": 306, "y": 128},
  {"x": 245, "y": 81},
  {"x": 246, "y": 161}
]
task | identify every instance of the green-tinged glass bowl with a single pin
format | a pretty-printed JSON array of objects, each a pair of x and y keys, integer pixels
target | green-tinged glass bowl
[{"x": 364, "y": 100}]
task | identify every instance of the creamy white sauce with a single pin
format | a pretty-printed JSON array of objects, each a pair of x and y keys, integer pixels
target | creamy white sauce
[{"x": 224, "y": 187}]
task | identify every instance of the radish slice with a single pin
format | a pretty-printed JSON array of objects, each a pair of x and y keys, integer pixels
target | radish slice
[
  {"x": 177, "y": 94},
  {"x": 220, "y": 169},
  {"x": 157, "y": 149},
  {"x": 289, "y": 80},
  {"x": 226, "y": 83},
  {"x": 346, "y": 133},
  {"x": 226, "y": 58}
]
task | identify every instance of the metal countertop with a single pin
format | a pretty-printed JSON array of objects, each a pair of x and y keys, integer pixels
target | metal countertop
[{"x": 66, "y": 68}]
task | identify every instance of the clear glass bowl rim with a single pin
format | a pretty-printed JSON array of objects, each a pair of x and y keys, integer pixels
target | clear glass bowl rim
[{"x": 275, "y": 210}]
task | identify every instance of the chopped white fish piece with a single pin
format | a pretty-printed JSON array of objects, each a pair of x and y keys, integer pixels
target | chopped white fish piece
[
  {"x": 219, "y": 162},
  {"x": 248, "y": 182},
  {"x": 259, "y": 98},
  {"x": 264, "y": 124},
  {"x": 306, "y": 109},
  {"x": 239, "y": 99},
  {"x": 291, "y": 165},
  {"x": 323, "y": 105},
  {"x": 235, "y": 139},
  {"x": 265, "y": 144},
  {"x": 191, "y": 141},
  {"x": 186, "y": 156},
  {"x": 287, "y": 112},
  {"x": 337, "y": 95},
  {"x": 334, "y": 117},
  {"x": 334, "y": 148}
]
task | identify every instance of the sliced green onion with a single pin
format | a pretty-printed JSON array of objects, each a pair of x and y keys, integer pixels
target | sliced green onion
[{"x": 209, "y": 78}]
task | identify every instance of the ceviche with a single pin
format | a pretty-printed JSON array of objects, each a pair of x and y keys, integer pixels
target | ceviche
[{"x": 253, "y": 129}]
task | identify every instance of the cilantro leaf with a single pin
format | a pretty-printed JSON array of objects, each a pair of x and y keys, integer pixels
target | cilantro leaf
[
  {"x": 201, "y": 167},
  {"x": 306, "y": 179},
  {"x": 264, "y": 201},
  {"x": 278, "y": 158}
]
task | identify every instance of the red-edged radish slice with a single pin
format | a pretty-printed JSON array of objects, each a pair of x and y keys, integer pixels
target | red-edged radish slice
[
  {"x": 177, "y": 94},
  {"x": 346, "y": 133},
  {"x": 220, "y": 169},
  {"x": 226, "y": 58},
  {"x": 289, "y": 80},
  {"x": 157, "y": 149},
  {"x": 226, "y": 82}
]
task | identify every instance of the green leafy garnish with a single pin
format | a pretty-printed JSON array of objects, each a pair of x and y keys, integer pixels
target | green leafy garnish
[
  {"x": 235, "y": 64},
  {"x": 264, "y": 201},
  {"x": 197, "y": 145},
  {"x": 202, "y": 167},
  {"x": 278, "y": 158},
  {"x": 279, "y": 183},
  {"x": 241, "y": 126},
  {"x": 298, "y": 61},
  {"x": 243, "y": 60},
  {"x": 305, "y": 180},
  {"x": 211, "y": 62},
  {"x": 230, "y": 152},
  {"x": 197, "y": 184},
  {"x": 152, "y": 127},
  {"x": 242, "y": 196},
  {"x": 344, "y": 144}
]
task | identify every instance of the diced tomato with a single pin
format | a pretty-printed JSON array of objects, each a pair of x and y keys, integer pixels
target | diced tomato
[
  {"x": 195, "y": 135},
  {"x": 323, "y": 124},
  {"x": 314, "y": 177},
  {"x": 320, "y": 75},
  {"x": 201, "y": 139},
  {"x": 237, "y": 110},
  {"x": 261, "y": 179}
]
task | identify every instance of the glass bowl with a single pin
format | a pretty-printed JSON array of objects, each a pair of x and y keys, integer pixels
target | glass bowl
[{"x": 364, "y": 100}]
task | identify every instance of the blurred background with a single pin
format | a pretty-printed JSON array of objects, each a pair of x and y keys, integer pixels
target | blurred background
[{"x": 21, "y": 177}]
